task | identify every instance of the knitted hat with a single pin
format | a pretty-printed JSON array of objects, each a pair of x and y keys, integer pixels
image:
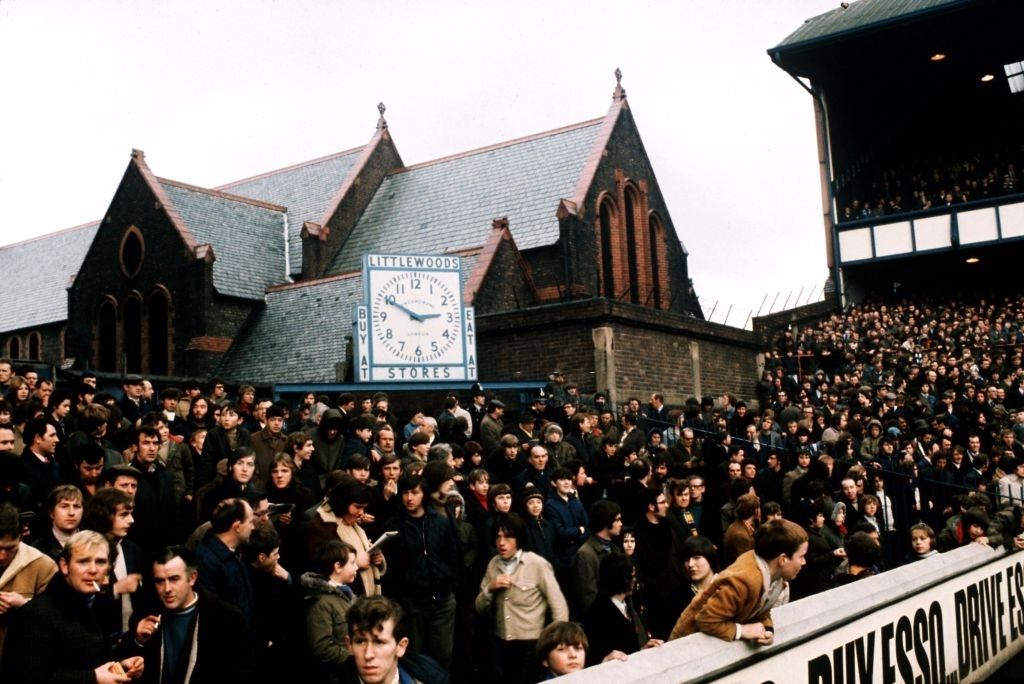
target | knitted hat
[{"x": 532, "y": 493}]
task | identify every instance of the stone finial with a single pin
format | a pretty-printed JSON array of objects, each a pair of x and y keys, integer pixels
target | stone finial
[
  {"x": 620, "y": 92},
  {"x": 381, "y": 122}
]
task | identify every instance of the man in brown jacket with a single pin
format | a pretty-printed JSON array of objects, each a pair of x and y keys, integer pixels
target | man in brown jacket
[
  {"x": 268, "y": 443},
  {"x": 24, "y": 570},
  {"x": 738, "y": 603}
]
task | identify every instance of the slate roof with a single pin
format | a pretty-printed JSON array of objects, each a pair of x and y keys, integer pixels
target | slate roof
[
  {"x": 448, "y": 204},
  {"x": 301, "y": 332},
  {"x": 305, "y": 189},
  {"x": 37, "y": 273},
  {"x": 859, "y": 16},
  {"x": 247, "y": 240}
]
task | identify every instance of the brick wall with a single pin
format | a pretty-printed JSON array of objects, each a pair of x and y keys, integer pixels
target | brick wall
[
  {"x": 624, "y": 168},
  {"x": 625, "y": 348},
  {"x": 504, "y": 288},
  {"x": 52, "y": 352},
  {"x": 547, "y": 267},
  {"x": 195, "y": 309},
  {"x": 531, "y": 353}
]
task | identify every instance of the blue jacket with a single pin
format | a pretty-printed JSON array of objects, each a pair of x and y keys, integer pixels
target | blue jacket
[
  {"x": 224, "y": 573},
  {"x": 423, "y": 560},
  {"x": 570, "y": 522}
]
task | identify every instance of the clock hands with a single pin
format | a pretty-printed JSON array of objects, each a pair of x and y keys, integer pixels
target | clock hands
[
  {"x": 412, "y": 314},
  {"x": 415, "y": 316}
]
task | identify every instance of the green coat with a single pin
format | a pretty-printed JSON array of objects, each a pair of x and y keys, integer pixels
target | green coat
[{"x": 326, "y": 627}]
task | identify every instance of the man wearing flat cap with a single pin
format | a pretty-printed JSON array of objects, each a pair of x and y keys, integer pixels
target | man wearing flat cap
[{"x": 491, "y": 426}]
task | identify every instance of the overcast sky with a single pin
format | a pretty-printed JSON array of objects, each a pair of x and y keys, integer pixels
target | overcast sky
[{"x": 216, "y": 91}]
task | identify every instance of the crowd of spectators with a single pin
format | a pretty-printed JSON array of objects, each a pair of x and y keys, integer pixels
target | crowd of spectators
[
  {"x": 188, "y": 536},
  {"x": 927, "y": 183}
]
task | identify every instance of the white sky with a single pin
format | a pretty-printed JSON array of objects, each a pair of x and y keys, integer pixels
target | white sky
[{"x": 215, "y": 91}]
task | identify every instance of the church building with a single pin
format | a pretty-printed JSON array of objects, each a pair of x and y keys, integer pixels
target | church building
[{"x": 570, "y": 258}]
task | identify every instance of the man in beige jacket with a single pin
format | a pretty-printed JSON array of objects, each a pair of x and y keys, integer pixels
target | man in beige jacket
[
  {"x": 24, "y": 570},
  {"x": 521, "y": 589}
]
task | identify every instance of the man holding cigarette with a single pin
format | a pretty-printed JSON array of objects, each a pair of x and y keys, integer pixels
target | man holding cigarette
[
  {"x": 60, "y": 635},
  {"x": 196, "y": 637}
]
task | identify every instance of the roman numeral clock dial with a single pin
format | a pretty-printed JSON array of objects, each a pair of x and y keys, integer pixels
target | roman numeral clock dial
[{"x": 413, "y": 326}]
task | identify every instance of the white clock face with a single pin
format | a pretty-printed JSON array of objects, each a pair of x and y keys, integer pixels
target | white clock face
[{"x": 416, "y": 317}]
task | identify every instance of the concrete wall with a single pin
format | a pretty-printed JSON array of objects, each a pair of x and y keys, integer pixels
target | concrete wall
[
  {"x": 769, "y": 326},
  {"x": 958, "y": 616}
]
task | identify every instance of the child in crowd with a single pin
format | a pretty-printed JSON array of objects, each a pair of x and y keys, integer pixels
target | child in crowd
[
  {"x": 540, "y": 533},
  {"x": 869, "y": 511},
  {"x": 922, "y": 543},
  {"x": 562, "y": 649}
]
